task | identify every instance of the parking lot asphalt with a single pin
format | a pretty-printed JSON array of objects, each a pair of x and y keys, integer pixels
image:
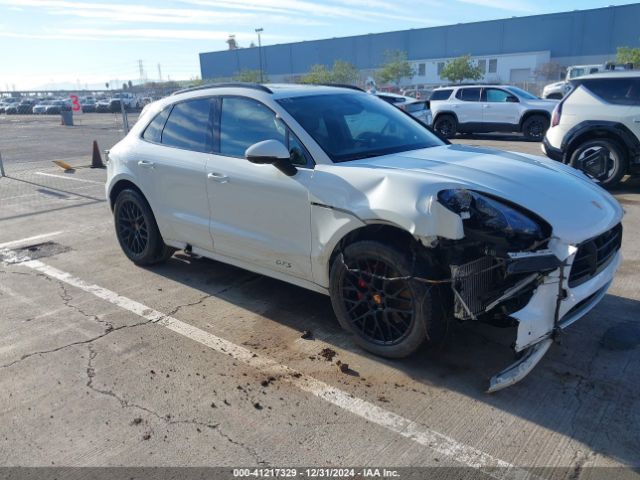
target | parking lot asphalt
[{"x": 196, "y": 363}]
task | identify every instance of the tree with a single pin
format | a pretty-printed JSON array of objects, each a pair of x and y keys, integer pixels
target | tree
[
  {"x": 251, "y": 76},
  {"x": 344, "y": 72},
  {"x": 628, "y": 55},
  {"x": 461, "y": 68},
  {"x": 395, "y": 67},
  {"x": 551, "y": 71},
  {"x": 130, "y": 83},
  {"x": 318, "y": 74}
]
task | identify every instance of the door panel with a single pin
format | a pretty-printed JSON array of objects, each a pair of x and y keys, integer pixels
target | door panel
[
  {"x": 258, "y": 214},
  {"x": 468, "y": 107},
  {"x": 496, "y": 108},
  {"x": 172, "y": 172}
]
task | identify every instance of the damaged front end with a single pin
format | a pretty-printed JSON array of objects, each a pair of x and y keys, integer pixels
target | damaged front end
[{"x": 503, "y": 258}]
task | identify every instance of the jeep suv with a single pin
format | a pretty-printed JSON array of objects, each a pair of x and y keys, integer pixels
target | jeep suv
[
  {"x": 338, "y": 192},
  {"x": 490, "y": 108},
  {"x": 596, "y": 127}
]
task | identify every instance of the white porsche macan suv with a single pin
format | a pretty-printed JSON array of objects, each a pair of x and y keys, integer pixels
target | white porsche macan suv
[{"x": 339, "y": 192}]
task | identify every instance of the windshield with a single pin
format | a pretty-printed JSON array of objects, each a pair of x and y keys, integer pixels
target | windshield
[
  {"x": 522, "y": 93},
  {"x": 354, "y": 126}
]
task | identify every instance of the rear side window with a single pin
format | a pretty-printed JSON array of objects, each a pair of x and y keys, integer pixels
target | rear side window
[
  {"x": 619, "y": 91},
  {"x": 468, "y": 94},
  {"x": 189, "y": 126},
  {"x": 153, "y": 132},
  {"x": 441, "y": 94}
]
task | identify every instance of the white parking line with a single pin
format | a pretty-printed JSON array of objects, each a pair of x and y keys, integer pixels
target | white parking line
[
  {"x": 69, "y": 178},
  {"x": 26, "y": 241},
  {"x": 420, "y": 434}
]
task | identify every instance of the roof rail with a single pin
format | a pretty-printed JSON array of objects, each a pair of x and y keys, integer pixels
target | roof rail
[
  {"x": 340, "y": 85},
  {"x": 254, "y": 86}
]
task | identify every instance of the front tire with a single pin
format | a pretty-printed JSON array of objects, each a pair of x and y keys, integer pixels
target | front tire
[
  {"x": 391, "y": 318},
  {"x": 617, "y": 163},
  {"x": 137, "y": 230},
  {"x": 535, "y": 127}
]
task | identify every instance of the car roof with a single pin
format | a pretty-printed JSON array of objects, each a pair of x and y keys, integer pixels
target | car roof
[
  {"x": 610, "y": 74},
  {"x": 276, "y": 90},
  {"x": 472, "y": 85}
]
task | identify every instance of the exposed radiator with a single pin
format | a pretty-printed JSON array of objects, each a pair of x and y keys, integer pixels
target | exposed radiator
[{"x": 471, "y": 284}]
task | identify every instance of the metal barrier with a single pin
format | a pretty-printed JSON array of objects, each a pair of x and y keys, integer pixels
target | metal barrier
[{"x": 2, "y": 174}]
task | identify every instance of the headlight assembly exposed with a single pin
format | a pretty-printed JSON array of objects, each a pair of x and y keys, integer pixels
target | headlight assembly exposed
[{"x": 487, "y": 215}]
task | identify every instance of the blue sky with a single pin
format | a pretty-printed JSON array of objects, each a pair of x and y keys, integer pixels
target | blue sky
[{"x": 68, "y": 43}]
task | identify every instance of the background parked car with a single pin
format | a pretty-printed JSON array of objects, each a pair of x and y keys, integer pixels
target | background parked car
[
  {"x": 41, "y": 108},
  {"x": 26, "y": 106},
  {"x": 596, "y": 127},
  {"x": 88, "y": 105},
  {"x": 417, "y": 108},
  {"x": 490, "y": 108}
]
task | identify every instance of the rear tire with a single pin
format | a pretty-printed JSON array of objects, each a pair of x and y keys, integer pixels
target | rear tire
[
  {"x": 535, "y": 127},
  {"x": 446, "y": 125},
  {"x": 137, "y": 230},
  {"x": 388, "y": 318},
  {"x": 618, "y": 163}
]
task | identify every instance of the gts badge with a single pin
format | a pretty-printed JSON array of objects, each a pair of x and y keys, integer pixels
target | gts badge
[{"x": 282, "y": 263}]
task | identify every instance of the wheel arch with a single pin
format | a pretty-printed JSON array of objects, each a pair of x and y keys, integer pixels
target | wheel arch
[
  {"x": 591, "y": 130},
  {"x": 443, "y": 113},
  {"x": 123, "y": 184},
  {"x": 383, "y": 232},
  {"x": 529, "y": 113}
]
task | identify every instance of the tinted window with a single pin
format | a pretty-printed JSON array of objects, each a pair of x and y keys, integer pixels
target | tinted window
[
  {"x": 244, "y": 122},
  {"x": 153, "y": 132},
  {"x": 469, "y": 94},
  {"x": 188, "y": 126},
  {"x": 441, "y": 94},
  {"x": 496, "y": 95},
  {"x": 522, "y": 93},
  {"x": 353, "y": 126},
  {"x": 620, "y": 91}
]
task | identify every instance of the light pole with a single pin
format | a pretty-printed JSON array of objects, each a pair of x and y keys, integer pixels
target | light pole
[{"x": 259, "y": 31}]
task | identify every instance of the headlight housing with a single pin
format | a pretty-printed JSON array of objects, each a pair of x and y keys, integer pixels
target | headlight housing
[{"x": 488, "y": 216}]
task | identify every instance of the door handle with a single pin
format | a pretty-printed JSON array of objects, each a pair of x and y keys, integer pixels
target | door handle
[
  {"x": 218, "y": 177},
  {"x": 146, "y": 164}
]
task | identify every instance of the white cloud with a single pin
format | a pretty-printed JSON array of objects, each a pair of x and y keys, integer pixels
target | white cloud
[{"x": 510, "y": 5}]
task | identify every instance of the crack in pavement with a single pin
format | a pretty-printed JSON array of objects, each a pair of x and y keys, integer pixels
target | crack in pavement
[
  {"x": 67, "y": 298},
  {"x": 73, "y": 344},
  {"x": 124, "y": 403},
  {"x": 238, "y": 284}
]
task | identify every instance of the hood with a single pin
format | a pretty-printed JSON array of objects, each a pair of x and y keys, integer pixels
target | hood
[
  {"x": 555, "y": 85},
  {"x": 571, "y": 203}
]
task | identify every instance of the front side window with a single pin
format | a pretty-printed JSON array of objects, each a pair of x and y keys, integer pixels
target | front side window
[
  {"x": 354, "y": 126},
  {"x": 496, "y": 95},
  {"x": 619, "y": 91},
  {"x": 245, "y": 121},
  {"x": 189, "y": 126},
  {"x": 468, "y": 94}
]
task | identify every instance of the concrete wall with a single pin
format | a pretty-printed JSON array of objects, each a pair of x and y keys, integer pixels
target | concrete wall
[{"x": 592, "y": 33}]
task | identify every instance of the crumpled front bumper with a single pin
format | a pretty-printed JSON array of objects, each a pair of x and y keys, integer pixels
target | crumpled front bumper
[{"x": 553, "y": 307}]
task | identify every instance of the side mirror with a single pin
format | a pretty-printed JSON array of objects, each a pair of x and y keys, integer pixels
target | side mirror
[
  {"x": 512, "y": 99},
  {"x": 271, "y": 152}
]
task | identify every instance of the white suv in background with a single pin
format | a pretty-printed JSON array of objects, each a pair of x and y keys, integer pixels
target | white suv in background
[
  {"x": 490, "y": 108},
  {"x": 596, "y": 128}
]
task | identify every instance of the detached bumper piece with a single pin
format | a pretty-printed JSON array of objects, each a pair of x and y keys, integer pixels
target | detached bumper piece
[{"x": 517, "y": 371}]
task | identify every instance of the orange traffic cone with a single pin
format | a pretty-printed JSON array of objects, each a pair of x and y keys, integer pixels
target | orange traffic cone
[{"x": 96, "y": 159}]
